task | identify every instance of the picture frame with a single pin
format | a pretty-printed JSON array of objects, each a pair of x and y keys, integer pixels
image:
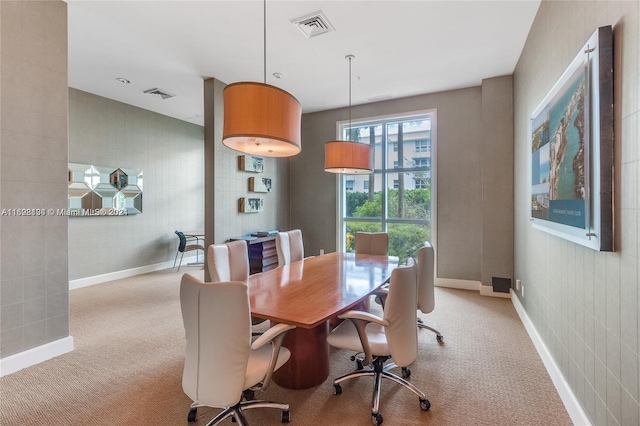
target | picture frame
[
  {"x": 257, "y": 184},
  {"x": 251, "y": 163},
  {"x": 571, "y": 155},
  {"x": 250, "y": 205}
]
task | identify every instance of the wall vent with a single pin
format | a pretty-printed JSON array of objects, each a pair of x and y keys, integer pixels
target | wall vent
[
  {"x": 501, "y": 285},
  {"x": 313, "y": 24},
  {"x": 159, "y": 92}
]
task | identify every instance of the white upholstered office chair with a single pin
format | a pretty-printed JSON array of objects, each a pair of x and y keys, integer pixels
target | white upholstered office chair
[
  {"x": 230, "y": 262},
  {"x": 426, "y": 296},
  {"x": 393, "y": 336},
  {"x": 221, "y": 361},
  {"x": 289, "y": 247},
  {"x": 372, "y": 243}
]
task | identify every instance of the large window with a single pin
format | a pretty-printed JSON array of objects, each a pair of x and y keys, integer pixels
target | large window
[{"x": 396, "y": 198}]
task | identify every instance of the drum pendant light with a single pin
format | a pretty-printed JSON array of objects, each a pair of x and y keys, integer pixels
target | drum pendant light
[
  {"x": 261, "y": 119},
  {"x": 348, "y": 157}
]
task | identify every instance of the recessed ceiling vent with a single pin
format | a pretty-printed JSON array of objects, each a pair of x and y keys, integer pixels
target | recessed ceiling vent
[
  {"x": 159, "y": 92},
  {"x": 313, "y": 24}
]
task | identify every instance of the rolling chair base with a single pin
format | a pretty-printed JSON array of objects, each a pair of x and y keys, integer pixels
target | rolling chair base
[
  {"x": 379, "y": 372},
  {"x": 439, "y": 337},
  {"x": 235, "y": 412}
]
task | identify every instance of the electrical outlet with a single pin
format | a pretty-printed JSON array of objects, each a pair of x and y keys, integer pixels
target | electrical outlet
[{"x": 518, "y": 284}]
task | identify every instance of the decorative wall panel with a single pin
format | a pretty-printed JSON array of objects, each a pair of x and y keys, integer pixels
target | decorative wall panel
[{"x": 104, "y": 191}]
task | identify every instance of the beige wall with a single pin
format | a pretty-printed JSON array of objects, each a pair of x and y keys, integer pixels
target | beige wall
[
  {"x": 460, "y": 146},
  {"x": 104, "y": 132},
  {"x": 497, "y": 178},
  {"x": 584, "y": 303},
  {"x": 33, "y": 174}
]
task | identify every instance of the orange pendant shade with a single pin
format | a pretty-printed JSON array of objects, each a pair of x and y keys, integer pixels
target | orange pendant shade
[
  {"x": 348, "y": 157},
  {"x": 261, "y": 119}
]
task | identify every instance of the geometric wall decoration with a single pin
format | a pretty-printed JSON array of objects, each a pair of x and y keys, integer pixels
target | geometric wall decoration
[
  {"x": 104, "y": 191},
  {"x": 250, "y": 205},
  {"x": 259, "y": 184}
]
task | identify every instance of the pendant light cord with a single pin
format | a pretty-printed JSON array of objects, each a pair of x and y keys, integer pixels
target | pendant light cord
[
  {"x": 349, "y": 57},
  {"x": 350, "y": 97}
]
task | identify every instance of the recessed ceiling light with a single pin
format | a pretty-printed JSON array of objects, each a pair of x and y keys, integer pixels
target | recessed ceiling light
[
  {"x": 277, "y": 75},
  {"x": 123, "y": 80}
]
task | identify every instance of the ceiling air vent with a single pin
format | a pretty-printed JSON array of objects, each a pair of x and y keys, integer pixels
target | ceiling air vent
[
  {"x": 313, "y": 24},
  {"x": 159, "y": 92}
]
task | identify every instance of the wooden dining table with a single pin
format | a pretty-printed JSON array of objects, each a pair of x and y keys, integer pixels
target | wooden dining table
[{"x": 308, "y": 294}]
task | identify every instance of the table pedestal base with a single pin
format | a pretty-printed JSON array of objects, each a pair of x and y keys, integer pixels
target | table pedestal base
[{"x": 309, "y": 362}]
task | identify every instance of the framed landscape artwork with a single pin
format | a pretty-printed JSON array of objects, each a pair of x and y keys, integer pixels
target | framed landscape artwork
[{"x": 572, "y": 150}]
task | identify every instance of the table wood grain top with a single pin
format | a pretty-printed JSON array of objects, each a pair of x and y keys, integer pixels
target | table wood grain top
[{"x": 309, "y": 292}]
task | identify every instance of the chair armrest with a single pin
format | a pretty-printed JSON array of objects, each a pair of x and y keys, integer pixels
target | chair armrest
[
  {"x": 381, "y": 295},
  {"x": 274, "y": 335},
  {"x": 360, "y": 320},
  {"x": 364, "y": 316},
  {"x": 382, "y": 292},
  {"x": 270, "y": 334}
]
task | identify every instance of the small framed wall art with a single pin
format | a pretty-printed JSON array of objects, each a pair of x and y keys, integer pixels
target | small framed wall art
[
  {"x": 251, "y": 163},
  {"x": 257, "y": 184},
  {"x": 250, "y": 205}
]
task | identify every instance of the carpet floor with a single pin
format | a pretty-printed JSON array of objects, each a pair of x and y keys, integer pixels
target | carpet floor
[{"x": 126, "y": 369}]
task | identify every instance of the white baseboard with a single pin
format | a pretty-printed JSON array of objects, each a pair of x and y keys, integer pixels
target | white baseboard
[
  {"x": 575, "y": 410},
  {"x": 459, "y": 284},
  {"x": 33, "y": 356},
  {"x": 117, "y": 275},
  {"x": 487, "y": 290}
]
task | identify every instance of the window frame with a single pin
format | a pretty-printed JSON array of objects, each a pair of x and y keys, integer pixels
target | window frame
[{"x": 384, "y": 220}]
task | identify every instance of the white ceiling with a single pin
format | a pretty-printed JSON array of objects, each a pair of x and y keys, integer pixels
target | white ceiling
[{"x": 401, "y": 48}]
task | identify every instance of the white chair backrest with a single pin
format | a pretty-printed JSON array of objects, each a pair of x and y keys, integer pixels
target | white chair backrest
[
  {"x": 289, "y": 247},
  {"x": 217, "y": 326},
  {"x": 399, "y": 310},
  {"x": 228, "y": 262},
  {"x": 372, "y": 243},
  {"x": 425, "y": 263}
]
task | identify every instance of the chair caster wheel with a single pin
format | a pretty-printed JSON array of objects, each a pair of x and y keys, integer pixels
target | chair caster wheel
[
  {"x": 376, "y": 419},
  {"x": 286, "y": 417},
  {"x": 337, "y": 389},
  {"x": 359, "y": 365},
  {"x": 406, "y": 372},
  {"x": 248, "y": 394},
  {"x": 193, "y": 413},
  {"x": 425, "y": 404},
  {"x": 352, "y": 357},
  {"x": 233, "y": 419},
  {"x": 440, "y": 339}
]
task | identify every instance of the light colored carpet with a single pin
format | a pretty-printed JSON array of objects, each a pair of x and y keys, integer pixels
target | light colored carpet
[{"x": 126, "y": 369}]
